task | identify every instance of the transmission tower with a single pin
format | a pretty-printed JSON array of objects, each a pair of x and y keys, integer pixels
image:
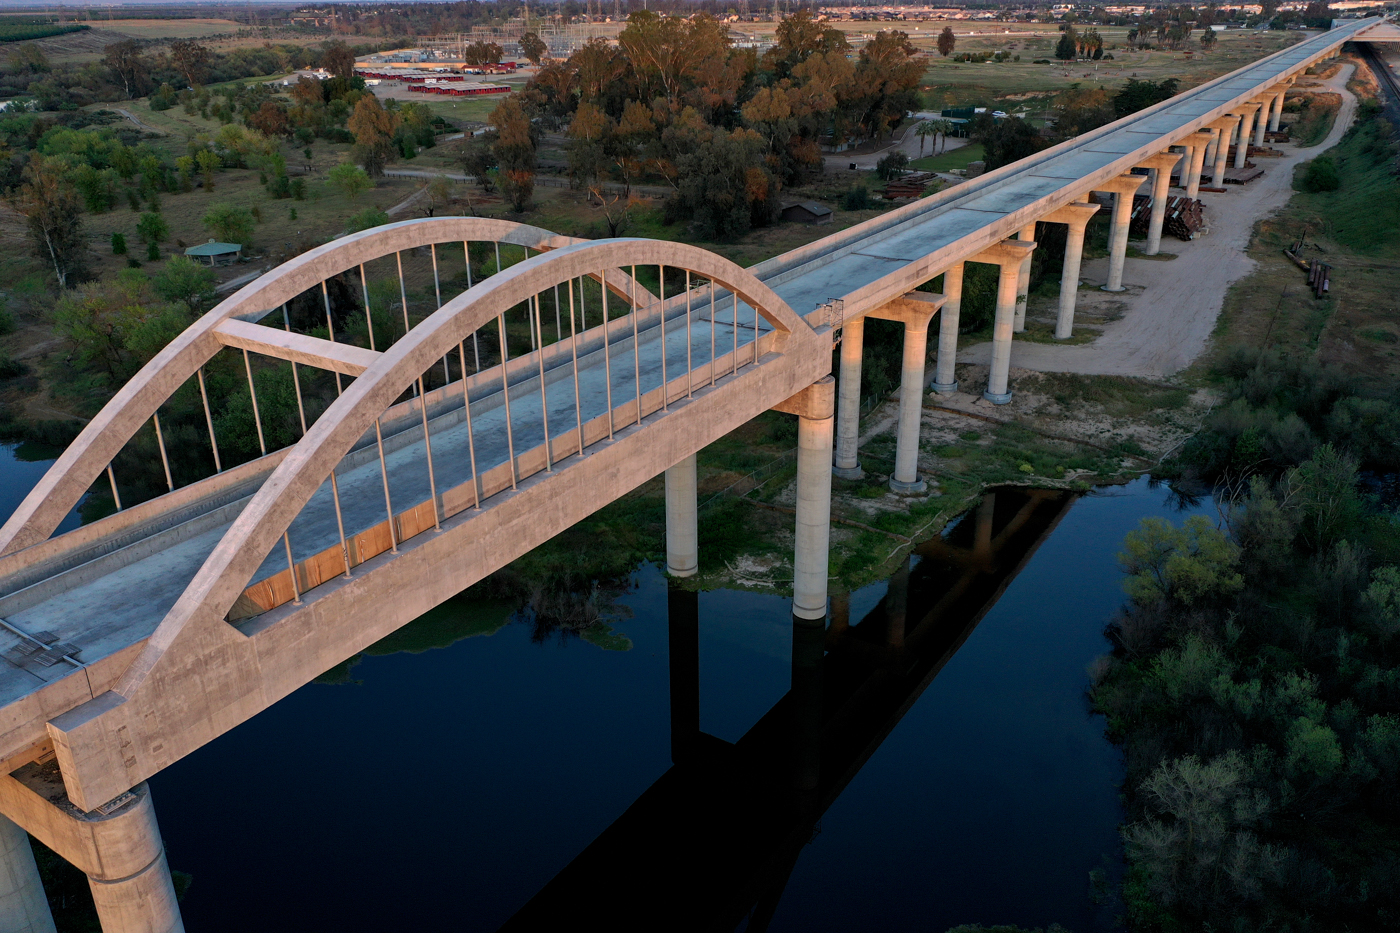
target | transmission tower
[{"x": 617, "y": 11}]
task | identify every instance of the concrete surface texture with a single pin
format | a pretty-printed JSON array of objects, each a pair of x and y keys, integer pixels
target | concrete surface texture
[
  {"x": 1172, "y": 306},
  {"x": 149, "y": 669}
]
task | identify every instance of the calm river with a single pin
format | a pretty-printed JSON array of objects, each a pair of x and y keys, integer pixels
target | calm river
[{"x": 443, "y": 787}]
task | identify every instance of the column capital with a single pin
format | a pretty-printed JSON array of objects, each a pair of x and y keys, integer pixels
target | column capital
[
  {"x": 913, "y": 308},
  {"x": 817, "y": 401},
  {"x": 1074, "y": 214},
  {"x": 1222, "y": 124},
  {"x": 1006, "y": 253},
  {"x": 1124, "y": 184},
  {"x": 1246, "y": 108},
  {"x": 1161, "y": 160},
  {"x": 1198, "y": 138}
]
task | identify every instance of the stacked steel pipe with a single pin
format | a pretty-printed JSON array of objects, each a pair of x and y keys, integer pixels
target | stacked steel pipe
[{"x": 1183, "y": 218}]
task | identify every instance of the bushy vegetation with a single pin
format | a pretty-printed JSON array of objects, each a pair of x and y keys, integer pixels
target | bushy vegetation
[
  {"x": 1255, "y": 679},
  {"x": 1278, "y": 410},
  {"x": 22, "y": 32}
]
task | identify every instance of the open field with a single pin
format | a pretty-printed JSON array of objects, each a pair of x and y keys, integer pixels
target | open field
[
  {"x": 956, "y": 84},
  {"x": 88, "y": 45}
]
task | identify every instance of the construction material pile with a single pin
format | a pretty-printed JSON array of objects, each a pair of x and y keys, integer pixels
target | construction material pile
[
  {"x": 1183, "y": 219},
  {"x": 1319, "y": 273}
]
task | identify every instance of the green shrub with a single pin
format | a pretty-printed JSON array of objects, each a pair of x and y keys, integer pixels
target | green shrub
[
  {"x": 856, "y": 198},
  {"x": 1320, "y": 175}
]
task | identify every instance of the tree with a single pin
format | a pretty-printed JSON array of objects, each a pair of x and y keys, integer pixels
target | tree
[
  {"x": 118, "y": 244},
  {"x": 437, "y": 194},
  {"x": 184, "y": 280},
  {"x": 127, "y": 64},
  {"x": 271, "y": 120},
  {"x": 117, "y": 325},
  {"x": 925, "y": 129},
  {"x": 1207, "y": 39},
  {"x": 1068, "y": 47},
  {"x": 209, "y": 163},
  {"x": 152, "y": 229},
  {"x": 892, "y": 166},
  {"x": 1139, "y": 95},
  {"x": 1179, "y": 564},
  {"x": 481, "y": 53},
  {"x": 338, "y": 60},
  {"x": 350, "y": 179},
  {"x": 374, "y": 129},
  {"x": 887, "y": 76},
  {"x": 533, "y": 47},
  {"x": 51, "y": 209},
  {"x": 946, "y": 41},
  {"x": 1005, "y": 141},
  {"x": 191, "y": 59},
  {"x": 588, "y": 133},
  {"x": 230, "y": 224},
  {"x": 515, "y": 151},
  {"x": 365, "y": 219}
]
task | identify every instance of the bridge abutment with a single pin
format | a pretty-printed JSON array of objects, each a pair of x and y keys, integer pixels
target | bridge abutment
[
  {"x": 23, "y": 906},
  {"x": 682, "y": 520}
]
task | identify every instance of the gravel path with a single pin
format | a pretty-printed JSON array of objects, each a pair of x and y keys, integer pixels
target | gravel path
[{"x": 1171, "y": 307}]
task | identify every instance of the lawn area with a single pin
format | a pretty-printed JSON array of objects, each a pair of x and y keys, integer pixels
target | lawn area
[{"x": 950, "y": 160}]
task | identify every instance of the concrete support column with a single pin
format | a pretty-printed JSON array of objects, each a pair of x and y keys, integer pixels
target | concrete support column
[
  {"x": 1260, "y": 120},
  {"x": 1193, "y": 170},
  {"x": 847, "y": 464},
  {"x": 1222, "y": 155},
  {"x": 1008, "y": 255},
  {"x": 945, "y": 378},
  {"x": 1242, "y": 147},
  {"x": 1076, "y": 217},
  {"x": 816, "y": 416},
  {"x": 1276, "y": 111},
  {"x": 1023, "y": 279},
  {"x": 1212, "y": 145},
  {"x": 1123, "y": 189},
  {"x": 23, "y": 906},
  {"x": 683, "y": 620},
  {"x": 682, "y": 529},
  {"x": 1161, "y": 165},
  {"x": 911, "y": 407},
  {"x": 120, "y": 851}
]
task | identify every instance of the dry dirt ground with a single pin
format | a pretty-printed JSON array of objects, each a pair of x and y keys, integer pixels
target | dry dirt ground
[{"x": 1165, "y": 319}]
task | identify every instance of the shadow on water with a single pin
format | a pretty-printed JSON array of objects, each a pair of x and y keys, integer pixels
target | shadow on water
[{"x": 711, "y": 845}]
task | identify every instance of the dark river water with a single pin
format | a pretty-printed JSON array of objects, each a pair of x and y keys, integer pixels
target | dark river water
[{"x": 444, "y": 787}]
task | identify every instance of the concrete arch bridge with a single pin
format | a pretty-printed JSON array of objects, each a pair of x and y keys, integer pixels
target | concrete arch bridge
[{"x": 129, "y": 642}]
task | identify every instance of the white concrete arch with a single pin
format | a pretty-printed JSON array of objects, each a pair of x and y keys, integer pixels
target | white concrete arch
[
  {"x": 84, "y": 460},
  {"x": 260, "y": 525}
]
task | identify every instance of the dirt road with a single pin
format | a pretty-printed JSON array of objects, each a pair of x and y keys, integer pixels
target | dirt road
[{"x": 1171, "y": 307}]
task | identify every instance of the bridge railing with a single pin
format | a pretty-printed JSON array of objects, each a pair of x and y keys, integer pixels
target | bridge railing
[{"x": 618, "y": 355}]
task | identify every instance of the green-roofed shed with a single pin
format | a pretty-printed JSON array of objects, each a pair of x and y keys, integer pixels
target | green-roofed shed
[{"x": 215, "y": 254}]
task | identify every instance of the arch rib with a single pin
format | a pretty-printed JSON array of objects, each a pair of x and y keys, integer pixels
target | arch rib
[{"x": 102, "y": 439}]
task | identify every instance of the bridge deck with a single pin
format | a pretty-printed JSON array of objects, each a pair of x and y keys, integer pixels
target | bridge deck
[{"x": 117, "y": 600}]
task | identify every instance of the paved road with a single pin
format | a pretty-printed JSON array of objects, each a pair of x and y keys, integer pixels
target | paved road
[{"x": 1173, "y": 306}]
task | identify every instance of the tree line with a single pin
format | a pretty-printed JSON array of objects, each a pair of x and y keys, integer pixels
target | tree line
[{"x": 673, "y": 103}]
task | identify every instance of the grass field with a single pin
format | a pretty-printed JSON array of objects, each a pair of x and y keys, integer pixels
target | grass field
[
  {"x": 948, "y": 161},
  {"x": 955, "y": 84}
]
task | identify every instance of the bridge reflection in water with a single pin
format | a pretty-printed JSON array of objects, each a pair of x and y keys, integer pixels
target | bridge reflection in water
[{"x": 712, "y": 843}]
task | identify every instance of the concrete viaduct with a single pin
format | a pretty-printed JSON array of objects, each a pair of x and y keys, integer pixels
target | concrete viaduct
[{"x": 132, "y": 641}]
